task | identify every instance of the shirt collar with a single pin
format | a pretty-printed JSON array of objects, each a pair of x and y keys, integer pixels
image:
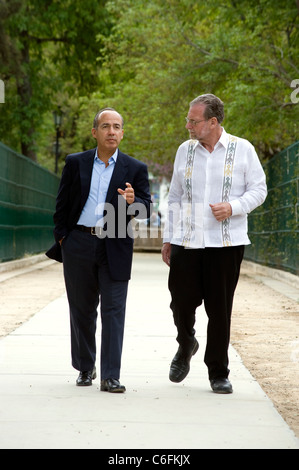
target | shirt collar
[
  {"x": 223, "y": 140},
  {"x": 113, "y": 157}
]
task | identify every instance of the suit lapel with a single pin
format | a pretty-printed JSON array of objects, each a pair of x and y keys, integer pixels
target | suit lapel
[
  {"x": 118, "y": 178},
  {"x": 86, "y": 166}
]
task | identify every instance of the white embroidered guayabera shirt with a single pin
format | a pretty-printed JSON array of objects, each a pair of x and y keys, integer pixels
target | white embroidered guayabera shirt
[{"x": 231, "y": 173}]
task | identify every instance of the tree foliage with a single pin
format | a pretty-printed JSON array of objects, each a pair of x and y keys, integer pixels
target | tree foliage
[
  {"x": 149, "y": 61},
  {"x": 49, "y": 48},
  {"x": 245, "y": 52}
]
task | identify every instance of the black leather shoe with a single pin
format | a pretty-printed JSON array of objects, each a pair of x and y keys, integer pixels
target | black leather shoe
[
  {"x": 112, "y": 386},
  {"x": 221, "y": 386},
  {"x": 85, "y": 378},
  {"x": 180, "y": 365}
]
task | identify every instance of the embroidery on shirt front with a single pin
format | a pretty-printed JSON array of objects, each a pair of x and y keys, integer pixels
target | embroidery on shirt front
[
  {"x": 188, "y": 228},
  {"x": 227, "y": 184}
]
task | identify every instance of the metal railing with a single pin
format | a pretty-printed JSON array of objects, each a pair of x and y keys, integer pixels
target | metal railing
[
  {"x": 27, "y": 204},
  {"x": 273, "y": 227}
]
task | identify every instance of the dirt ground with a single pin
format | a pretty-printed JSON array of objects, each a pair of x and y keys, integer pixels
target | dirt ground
[
  {"x": 265, "y": 329},
  {"x": 265, "y": 332}
]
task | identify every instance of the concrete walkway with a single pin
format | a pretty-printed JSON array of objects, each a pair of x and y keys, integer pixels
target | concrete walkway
[{"x": 41, "y": 408}]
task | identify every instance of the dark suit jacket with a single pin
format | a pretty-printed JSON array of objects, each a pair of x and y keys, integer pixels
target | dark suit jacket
[{"x": 73, "y": 193}]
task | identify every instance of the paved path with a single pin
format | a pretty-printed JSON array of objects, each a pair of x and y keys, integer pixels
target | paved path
[{"x": 41, "y": 408}]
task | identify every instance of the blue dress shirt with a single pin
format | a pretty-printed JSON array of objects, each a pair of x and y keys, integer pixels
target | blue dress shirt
[{"x": 92, "y": 212}]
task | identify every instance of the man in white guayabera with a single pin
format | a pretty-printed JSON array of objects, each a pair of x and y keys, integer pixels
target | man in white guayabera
[{"x": 217, "y": 180}]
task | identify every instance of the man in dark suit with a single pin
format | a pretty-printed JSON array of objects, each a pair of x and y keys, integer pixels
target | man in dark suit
[{"x": 100, "y": 191}]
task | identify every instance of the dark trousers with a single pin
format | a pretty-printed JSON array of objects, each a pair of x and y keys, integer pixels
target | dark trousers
[
  {"x": 88, "y": 281},
  {"x": 209, "y": 275}
]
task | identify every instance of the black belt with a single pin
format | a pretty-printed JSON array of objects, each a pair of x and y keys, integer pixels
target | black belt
[{"x": 92, "y": 230}]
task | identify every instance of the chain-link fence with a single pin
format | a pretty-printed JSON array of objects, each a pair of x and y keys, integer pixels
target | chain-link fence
[
  {"x": 273, "y": 227},
  {"x": 27, "y": 204}
]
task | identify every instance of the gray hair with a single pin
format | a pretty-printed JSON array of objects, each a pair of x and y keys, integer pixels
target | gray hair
[
  {"x": 96, "y": 118},
  {"x": 214, "y": 106}
]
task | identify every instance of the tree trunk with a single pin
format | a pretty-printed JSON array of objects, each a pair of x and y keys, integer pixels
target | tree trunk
[{"x": 25, "y": 94}]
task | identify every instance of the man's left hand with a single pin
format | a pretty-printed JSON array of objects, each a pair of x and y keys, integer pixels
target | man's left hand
[
  {"x": 128, "y": 193},
  {"x": 221, "y": 210}
]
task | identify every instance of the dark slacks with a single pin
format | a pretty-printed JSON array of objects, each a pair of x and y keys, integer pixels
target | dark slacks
[
  {"x": 88, "y": 281},
  {"x": 209, "y": 275}
]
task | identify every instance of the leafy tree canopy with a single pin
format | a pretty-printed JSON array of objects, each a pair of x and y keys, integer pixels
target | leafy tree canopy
[
  {"x": 49, "y": 53},
  {"x": 161, "y": 55},
  {"x": 148, "y": 59}
]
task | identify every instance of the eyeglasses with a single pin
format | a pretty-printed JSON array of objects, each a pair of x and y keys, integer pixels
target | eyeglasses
[{"x": 192, "y": 122}]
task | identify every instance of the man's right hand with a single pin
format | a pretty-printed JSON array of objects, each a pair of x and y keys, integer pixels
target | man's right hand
[{"x": 166, "y": 250}]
